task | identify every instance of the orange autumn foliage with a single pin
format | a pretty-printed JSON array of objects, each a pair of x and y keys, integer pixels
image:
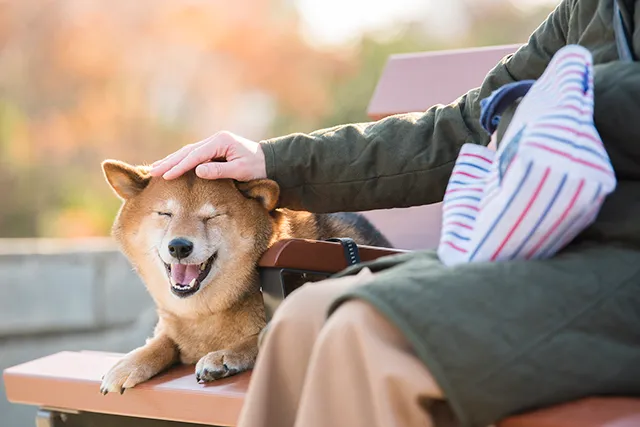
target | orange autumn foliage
[{"x": 83, "y": 80}]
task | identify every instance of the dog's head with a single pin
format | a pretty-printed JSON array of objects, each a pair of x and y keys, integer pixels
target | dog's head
[{"x": 193, "y": 241}]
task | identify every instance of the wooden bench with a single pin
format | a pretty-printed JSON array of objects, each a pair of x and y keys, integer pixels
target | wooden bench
[{"x": 65, "y": 385}]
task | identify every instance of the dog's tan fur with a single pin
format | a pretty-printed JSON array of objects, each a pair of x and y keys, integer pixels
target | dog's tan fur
[{"x": 218, "y": 326}]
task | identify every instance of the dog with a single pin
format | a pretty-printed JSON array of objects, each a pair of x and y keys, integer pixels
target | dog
[{"x": 196, "y": 244}]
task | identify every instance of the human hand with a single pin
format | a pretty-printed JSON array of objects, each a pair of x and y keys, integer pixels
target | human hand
[{"x": 223, "y": 155}]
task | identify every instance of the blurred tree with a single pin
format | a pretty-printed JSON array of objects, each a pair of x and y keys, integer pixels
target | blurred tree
[
  {"x": 489, "y": 22},
  {"x": 84, "y": 80}
]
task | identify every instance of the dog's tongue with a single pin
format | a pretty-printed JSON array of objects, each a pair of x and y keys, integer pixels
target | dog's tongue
[{"x": 184, "y": 274}]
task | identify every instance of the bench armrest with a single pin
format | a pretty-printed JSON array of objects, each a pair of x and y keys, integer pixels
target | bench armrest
[
  {"x": 316, "y": 255},
  {"x": 291, "y": 263}
]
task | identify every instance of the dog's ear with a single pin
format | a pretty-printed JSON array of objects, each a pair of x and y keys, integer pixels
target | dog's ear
[
  {"x": 265, "y": 191},
  {"x": 126, "y": 180}
]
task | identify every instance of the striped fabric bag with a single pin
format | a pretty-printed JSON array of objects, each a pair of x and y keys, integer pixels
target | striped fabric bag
[{"x": 546, "y": 182}]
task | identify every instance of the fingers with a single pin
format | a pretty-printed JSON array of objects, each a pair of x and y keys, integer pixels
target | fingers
[
  {"x": 215, "y": 148},
  {"x": 241, "y": 159},
  {"x": 217, "y": 170},
  {"x": 160, "y": 167}
]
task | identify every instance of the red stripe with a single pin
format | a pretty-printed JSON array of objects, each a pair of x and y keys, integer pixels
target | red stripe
[
  {"x": 569, "y": 156},
  {"x": 568, "y": 129},
  {"x": 453, "y": 190},
  {"x": 587, "y": 219},
  {"x": 554, "y": 85},
  {"x": 558, "y": 77},
  {"x": 454, "y": 246},
  {"x": 571, "y": 55},
  {"x": 574, "y": 108},
  {"x": 465, "y": 174},
  {"x": 477, "y": 156},
  {"x": 475, "y": 208},
  {"x": 566, "y": 88},
  {"x": 460, "y": 224},
  {"x": 571, "y": 71},
  {"x": 558, "y": 62},
  {"x": 522, "y": 215},
  {"x": 574, "y": 87},
  {"x": 558, "y": 222}
]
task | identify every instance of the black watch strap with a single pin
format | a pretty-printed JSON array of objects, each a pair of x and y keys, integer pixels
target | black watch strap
[{"x": 351, "y": 252}]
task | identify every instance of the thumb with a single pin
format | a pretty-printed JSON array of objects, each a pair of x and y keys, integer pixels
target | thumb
[{"x": 216, "y": 170}]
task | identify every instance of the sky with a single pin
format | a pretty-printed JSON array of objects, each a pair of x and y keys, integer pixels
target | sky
[{"x": 330, "y": 22}]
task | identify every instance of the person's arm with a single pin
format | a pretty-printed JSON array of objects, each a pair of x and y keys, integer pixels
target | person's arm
[{"x": 402, "y": 160}]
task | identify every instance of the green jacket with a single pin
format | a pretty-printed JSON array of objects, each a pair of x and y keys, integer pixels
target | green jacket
[{"x": 406, "y": 160}]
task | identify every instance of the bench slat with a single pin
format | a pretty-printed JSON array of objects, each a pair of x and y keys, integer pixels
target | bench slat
[
  {"x": 71, "y": 381},
  {"x": 417, "y": 81}
]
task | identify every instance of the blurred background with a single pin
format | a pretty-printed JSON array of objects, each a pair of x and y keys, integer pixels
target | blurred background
[{"x": 85, "y": 80}]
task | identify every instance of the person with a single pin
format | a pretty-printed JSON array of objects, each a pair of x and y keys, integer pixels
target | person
[{"x": 408, "y": 341}]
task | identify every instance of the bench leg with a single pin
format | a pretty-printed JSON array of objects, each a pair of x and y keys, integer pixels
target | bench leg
[{"x": 50, "y": 418}]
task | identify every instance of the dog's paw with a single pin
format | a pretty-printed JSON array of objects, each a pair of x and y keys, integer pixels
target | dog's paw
[
  {"x": 221, "y": 364},
  {"x": 127, "y": 373}
]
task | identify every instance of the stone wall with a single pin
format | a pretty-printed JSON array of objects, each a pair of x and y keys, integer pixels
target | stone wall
[{"x": 66, "y": 295}]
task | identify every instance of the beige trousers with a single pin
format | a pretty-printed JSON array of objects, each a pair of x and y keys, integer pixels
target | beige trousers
[{"x": 353, "y": 369}]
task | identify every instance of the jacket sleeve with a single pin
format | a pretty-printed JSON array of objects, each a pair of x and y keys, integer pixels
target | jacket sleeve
[{"x": 402, "y": 160}]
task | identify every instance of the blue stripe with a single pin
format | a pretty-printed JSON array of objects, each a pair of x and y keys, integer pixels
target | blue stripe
[
  {"x": 462, "y": 183},
  {"x": 473, "y": 166},
  {"x": 578, "y": 98},
  {"x": 566, "y": 117},
  {"x": 504, "y": 210},
  {"x": 568, "y": 142},
  {"x": 560, "y": 68},
  {"x": 583, "y": 224},
  {"x": 474, "y": 198},
  {"x": 598, "y": 190},
  {"x": 471, "y": 217},
  {"x": 579, "y": 82},
  {"x": 542, "y": 218},
  {"x": 454, "y": 234},
  {"x": 557, "y": 240},
  {"x": 546, "y": 86},
  {"x": 571, "y": 63}
]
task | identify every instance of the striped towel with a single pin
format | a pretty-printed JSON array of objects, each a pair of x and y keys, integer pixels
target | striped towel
[{"x": 545, "y": 183}]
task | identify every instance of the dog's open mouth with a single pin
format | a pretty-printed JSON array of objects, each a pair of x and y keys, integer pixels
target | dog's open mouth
[{"x": 185, "y": 279}]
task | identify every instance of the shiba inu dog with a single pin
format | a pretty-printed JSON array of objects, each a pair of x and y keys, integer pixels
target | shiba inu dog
[{"x": 196, "y": 244}]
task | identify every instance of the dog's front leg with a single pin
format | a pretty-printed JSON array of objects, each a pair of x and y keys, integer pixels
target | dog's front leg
[
  {"x": 230, "y": 361},
  {"x": 141, "y": 364}
]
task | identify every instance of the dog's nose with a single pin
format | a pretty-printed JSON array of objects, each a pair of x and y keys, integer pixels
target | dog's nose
[{"x": 180, "y": 248}]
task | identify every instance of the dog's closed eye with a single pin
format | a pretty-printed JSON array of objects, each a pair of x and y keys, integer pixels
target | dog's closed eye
[
  {"x": 166, "y": 214},
  {"x": 210, "y": 217}
]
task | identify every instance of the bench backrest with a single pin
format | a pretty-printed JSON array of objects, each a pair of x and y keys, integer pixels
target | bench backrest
[{"x": 406, "y": 85}]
